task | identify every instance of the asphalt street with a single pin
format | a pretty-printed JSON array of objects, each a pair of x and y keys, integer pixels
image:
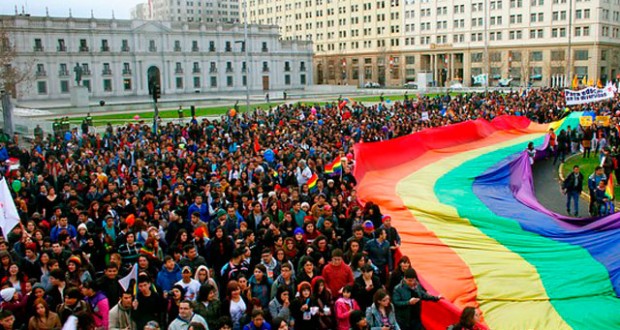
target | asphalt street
[{"x": 548, "y": 189}]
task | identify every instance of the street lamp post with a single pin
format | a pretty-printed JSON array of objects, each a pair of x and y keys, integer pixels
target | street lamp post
[
  {"x": 247, "y": 56},
  {"x": 570, "y": 34}
]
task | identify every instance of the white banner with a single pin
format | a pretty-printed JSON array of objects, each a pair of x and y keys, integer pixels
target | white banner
[
  {"x": 588, "y": 95},
  {"x": 9, "y": 217},
  {"x": 125, "y": 282}
]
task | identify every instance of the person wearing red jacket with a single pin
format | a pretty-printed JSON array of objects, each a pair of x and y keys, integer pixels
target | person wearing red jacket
[{"x": 337, "y": 274}]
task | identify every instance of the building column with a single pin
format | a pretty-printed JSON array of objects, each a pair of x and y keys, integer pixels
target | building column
[
  {"x": 466, "y": 70},
  {"x": 435, "y": 76},
  {"x": 140, "y": 76}
]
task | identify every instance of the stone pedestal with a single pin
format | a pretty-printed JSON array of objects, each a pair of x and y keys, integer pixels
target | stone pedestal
[{"x": 79, "y": 96}]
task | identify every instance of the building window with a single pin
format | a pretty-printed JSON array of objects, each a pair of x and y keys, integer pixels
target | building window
[
  {"x": 61, "y": 45},
  {"x": 287, "y": 66},
  {"x": 64, "y": 86},
  {"x": 86, "y": 83},
  {"x": 178, "y": 69},
  {"x": 244, "y": 80},
  {"x": 63, "y": 72},
  {"x": 104, "y": 45},
  {"x": 177, "y": 46},
  {"x": 229, "y": 81},
  {"x": 38, "y": 45},
  {"x": 126, "y": 68},
  {"x": 228, "y": 47},
  {"x": 127, "y": 84},
  {"x": 302, "y": 79},
  {"x": 265, "y": 67},
  {"x": 125, "y": 46},
  {"x": 179, "y": 82},
  {"x": 264, "y": 48},
  {"x": 83, "y": 45},
  {"x": 195, "y": 46},
  {"x": 211, "y": 46},
  {"x": 302, "y": 66},
  {"x": 42, "y": 87},
  {"x": 213, "y": 82},
  {"x": 229, "y": 67},
  {"x": 581, "y": 55},
  {"x": 287, "y": 79},
  {"x": 152, "y": 47},
  {"x": 557, "y": 55},
  {"x": 106, "y": 69},
  {"x": 476, "y": 57},
  {"x": 107, "y": 85},
  {"x": 196, "y": 82},
  {"x": 581, "y": 71},
  {"x": 196, "y": 67},
  {"x": 536, "y": 56},
  {"x": 212, "y": 67}
]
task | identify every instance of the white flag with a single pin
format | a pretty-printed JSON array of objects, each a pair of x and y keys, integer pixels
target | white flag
[
  {"x": 8, "y": 212},
  {"x": 133, "y": 275}
]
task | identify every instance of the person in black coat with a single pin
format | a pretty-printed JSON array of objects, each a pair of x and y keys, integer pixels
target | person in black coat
[
  {"x": 572, "y": 187},
  {"x": 365, "y": 286}
]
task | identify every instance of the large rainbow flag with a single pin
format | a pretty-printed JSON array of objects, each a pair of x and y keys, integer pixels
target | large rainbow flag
[{"x": 462, "y": 198}]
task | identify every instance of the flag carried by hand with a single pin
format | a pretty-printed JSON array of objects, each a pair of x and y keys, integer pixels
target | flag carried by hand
[
  {"x": 334, "y": 168},
  {"x": 9, "y": 217},
  {"x": 125, "y": 282},
  {"x": 312, "y": 183}
]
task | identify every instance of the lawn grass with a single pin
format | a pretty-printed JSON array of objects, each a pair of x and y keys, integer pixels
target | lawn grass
[
  {"x": 586, "y": 166},
  {"x": 120, "y": 118}
]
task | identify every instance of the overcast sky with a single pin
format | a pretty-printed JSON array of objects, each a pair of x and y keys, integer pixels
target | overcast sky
[{"x": 79, "y": 8}]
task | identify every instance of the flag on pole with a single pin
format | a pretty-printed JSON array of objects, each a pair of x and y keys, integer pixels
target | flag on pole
[
  {"x": 599, "y": 84},
  {"x": 609, "y": 191},
  {"x": 575, "y": 84},
  {"x": 9, "y": 217},
  {"x": 584, "y": 81},
  {"x": 125, "y": 282},
  {"x": 334, "y": 168}
]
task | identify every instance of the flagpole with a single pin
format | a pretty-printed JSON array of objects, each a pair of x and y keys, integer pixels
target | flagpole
[{"x": 570, "y": 36}]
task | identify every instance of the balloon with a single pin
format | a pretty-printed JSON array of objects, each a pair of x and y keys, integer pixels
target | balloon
[
  {"x": 320, "y": 122},
  {"x": 136, "y": 117},
  {"x": 233, "y": 112},
  {"x": 17, "y": 185},
  {"x": 388, "y": 101},
  {"x": 313, "y": 111},
  {"x": 269, "y": 155},
  {"x": 130, "y": 220}
]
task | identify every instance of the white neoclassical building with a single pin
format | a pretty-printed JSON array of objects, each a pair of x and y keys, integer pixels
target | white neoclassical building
[{"x": 126, "y": 57}]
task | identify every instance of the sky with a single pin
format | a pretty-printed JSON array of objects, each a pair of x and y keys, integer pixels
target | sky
[{"x": 79, "y": 8}]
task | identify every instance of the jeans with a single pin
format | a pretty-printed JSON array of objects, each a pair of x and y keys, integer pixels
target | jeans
[{"x": 574, "y": 195}]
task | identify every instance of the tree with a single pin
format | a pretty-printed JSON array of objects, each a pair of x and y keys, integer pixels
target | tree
[
  {"x": 525, "y": 68},
  {"x": 11, "y": 74}
]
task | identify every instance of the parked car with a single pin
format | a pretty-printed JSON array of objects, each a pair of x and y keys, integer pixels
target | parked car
[
  {"x": 411, "y": 85},
  {"x": 371, "y": 84}
]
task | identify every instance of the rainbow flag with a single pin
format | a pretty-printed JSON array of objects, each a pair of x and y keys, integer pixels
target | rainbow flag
[
  {"x": 466, "y": 207},
  {"x": 609, "y": 191},
  {"x": 312, "y": 182},
  {"x": 334, "y": 168}
]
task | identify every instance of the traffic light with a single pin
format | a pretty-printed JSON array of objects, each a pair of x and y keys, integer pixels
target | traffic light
[{"x": 156, "y": 92}]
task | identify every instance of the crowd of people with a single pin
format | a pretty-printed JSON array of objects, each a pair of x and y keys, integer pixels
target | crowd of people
[{"x": 232, "y": 223}]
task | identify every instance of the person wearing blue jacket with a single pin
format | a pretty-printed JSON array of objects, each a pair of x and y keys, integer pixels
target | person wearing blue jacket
[
  {"x": 200, "y": 207},
  {"x": 4, "y": 154},
  {"x": 168, "y": 275}
]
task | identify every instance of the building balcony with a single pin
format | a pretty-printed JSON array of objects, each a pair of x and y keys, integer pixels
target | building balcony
[
  {"x": 38, "y": 48},
  {"x": 195, "y": 49},
  {"x": 86, "y": 72},
  {"x": 152, "y": 49},
  {"x": 287, "y": 69},
  {"x": 196, "y": 70},
  {"x": 63, "y": 73},
  {"x": 244, "y": 70},
  {"x": 107, "y": 72},
  {"x": 212, "y": 49},
  {"x": 265, "y": 50},
  {"x": 178, "y": 71},
  {"x": 177, "y": 49},
  {"x": 265, "y": 69},
  {"x": 125, "y": 49},
  {"x": 126, "y": 71},
  {"x": 213, "y": 70},
  {"x": 41, "y": 74},
  {"x": 228, "y": 49},
  {"x": 83, "y": 48},
  {"x": 105, "y": 48},
  {"x": 61, "y": 48},
  {"x": 229, "y": 70},
  {"x": 302, "y": 69}
]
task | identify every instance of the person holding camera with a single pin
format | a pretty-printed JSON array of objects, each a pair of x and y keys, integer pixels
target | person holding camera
[
  {"x": 380, "y": 315},
  {"x": 407, "y": 299}
]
